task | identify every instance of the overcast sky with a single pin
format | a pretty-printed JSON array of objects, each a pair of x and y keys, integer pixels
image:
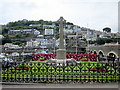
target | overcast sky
[{"x": 94, "y": 14}]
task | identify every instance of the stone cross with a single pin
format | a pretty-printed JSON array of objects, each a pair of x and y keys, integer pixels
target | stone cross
[{"x": 61, "y": 22}]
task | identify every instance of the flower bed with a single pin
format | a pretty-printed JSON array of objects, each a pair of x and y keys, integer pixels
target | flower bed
[{"x": 78, "y": 57}]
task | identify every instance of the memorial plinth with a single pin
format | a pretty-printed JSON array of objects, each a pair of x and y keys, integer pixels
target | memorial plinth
[
  {"x": 61, "y": 56},
  {"x": 61, "y": 52}
]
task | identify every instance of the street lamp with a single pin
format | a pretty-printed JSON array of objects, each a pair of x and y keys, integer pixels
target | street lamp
[
  {"x": 54, "y": 44},
  {"x": 76, "y": 42}
]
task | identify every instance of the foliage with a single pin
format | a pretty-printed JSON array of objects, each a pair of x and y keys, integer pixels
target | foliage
[
  {"x": 27, "y": 23},
  {"x": 68, "y": 23},
  {"x": 84, "y": 39},
  {"x": 104, "y": 40},
  {"x": 4, "y": 30},
  {"x": 20, "y": 35},
  {"x": 91, "y": 42},
  {"x": 6, "y": 39},
  {"x": 41, "y": 59},
  {"x": 18, "y": 42},
  {"x": 107, "y": 29}
]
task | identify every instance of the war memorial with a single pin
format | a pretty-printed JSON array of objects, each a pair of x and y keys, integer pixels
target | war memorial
[{"x": 62, "y": 67}]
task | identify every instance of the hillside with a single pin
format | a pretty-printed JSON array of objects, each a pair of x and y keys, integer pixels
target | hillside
[{"x": 39, "y": 25}]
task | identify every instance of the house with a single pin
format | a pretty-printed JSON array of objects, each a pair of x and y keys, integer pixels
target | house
[
  {"x": 76, "y": 28},
  {"x": 32, "y": 43},
  {"x": 40, "y": 36},
  {"x": 49, "y": 31},
  {"x": 36, "y": 32},
  {"x": 89, "y": 34},
  {"x": 73, "y": 36},
  {"x": 15, "y": 54},
  {"x": 69, "y": 26},
  {"x": 52, "y": 26},
  {"x": 68, "y": 31},
  {"x": 105, "y": 35},
  {"x": 74, "y": 45},
  {"x": 118, "y": 35},
  {"x": 24, "y": 20},
  {"x": 35, "y": 25},
  {"x": 2, "y": 26},
  {"x": 10, "y": 46},
  {"x": 1, "y": 36},
  {"x": 42, "y": 40},
  {"x": 21, "y": 31}
]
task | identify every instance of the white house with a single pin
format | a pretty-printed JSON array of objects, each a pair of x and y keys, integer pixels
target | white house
[
  {"x": 36, "y": 32},
  {"x": 43, "y": 43},
  {"x": 68, "y": 31},
  {"x": 118, "y": 35},
  {"x": 76, "y": 28},
  {"x": 32, "y": 43},
  {"x": 49, "y": 31},
  {"x": 1, "y": 36},
  {"x": 21, "y": 31},
  {"x": 91, "y": 35},
  {"x": 40, "y": 36},
  {"x": 52, "y": 26},
  {"x": 15, "y": 54},
  {"x": 69, "y": 26},
  {"x": 105, "y": 35},
  {"x": 35, "y": 25},
  {"x": 10, "y": 45}
]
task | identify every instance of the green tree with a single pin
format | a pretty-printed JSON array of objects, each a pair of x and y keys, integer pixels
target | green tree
[
  {"x": 6, "y": 40},
  {"x": 107, "y": 29},
  {"x": 92, "y": 42},
  {"x": 104, "y": 40},
  {"x": 100, "y": 42},
  {"x": 18, "y": 35},
  {"x": 5, "y": 30},
  {"x": 69, "y": 23},
  {"x": 17, "y": 43}
]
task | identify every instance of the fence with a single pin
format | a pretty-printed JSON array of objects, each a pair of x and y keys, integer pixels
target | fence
[{"x": 36, "y": 72}]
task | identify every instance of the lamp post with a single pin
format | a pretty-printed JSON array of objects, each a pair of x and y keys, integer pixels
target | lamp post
[
  {"x": 54, "y": 44},
  {"x": 76, "y": 42}
]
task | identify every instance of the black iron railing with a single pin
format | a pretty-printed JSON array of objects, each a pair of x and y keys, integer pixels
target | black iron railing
[{"x": 37, "y": 72}]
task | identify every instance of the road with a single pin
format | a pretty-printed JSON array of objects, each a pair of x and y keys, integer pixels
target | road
[{"x": 77, "y": 85}]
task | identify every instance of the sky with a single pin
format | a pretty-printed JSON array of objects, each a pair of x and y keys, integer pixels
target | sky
[{"x": 94, "y": 14}]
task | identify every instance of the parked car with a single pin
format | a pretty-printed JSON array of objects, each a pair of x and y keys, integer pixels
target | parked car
[{"x": 7, "y": 62}]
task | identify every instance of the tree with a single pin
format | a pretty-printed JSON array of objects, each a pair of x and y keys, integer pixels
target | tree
[
  {"x": 5, "y": 30},
  {"x": 6, "y": 40},
  {"x": 107, "y": 29},
  {"x": 104, "y": 40},
  {"x": 18, "y": 35},
  {"x": 91, "y": 42},
  {"x": 17, "y": 43},
  {"x": 69, "y": 23},
  {"x": 100, "y": 42}
]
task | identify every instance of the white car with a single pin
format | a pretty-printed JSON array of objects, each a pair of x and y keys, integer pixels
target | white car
[{"x": 7, "y": 60}]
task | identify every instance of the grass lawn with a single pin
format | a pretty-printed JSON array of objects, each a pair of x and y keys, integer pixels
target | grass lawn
[{"x": 44, "y": 61}]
